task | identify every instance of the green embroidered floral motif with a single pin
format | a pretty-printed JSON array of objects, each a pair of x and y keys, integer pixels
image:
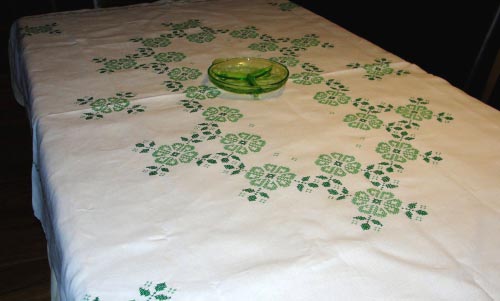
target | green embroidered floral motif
[
  {"x": 242, "y": 143},
  {"x": 263, "y": 46},
  {"x": 249, "y": 32},
  {"x": 32, "y": 30},
  {"x": 308, "y": 40},
  {"x": 222, "y": 114},
  {"x": 202, "y": 92},
  {"x": 376, "y": 202},
  {"x": 148, "y": 292},
  {"x": 184, "y": 73},
  {"x": 172, "y": 155},
  {"x": 118, "y": 64},
  {"x": 414, "y": 112},
  {"x": 167, "y": 57},
  {"x": 108, "y": 105},
  {"x": 201, "y": 37},
  {"x": 397, "y": 151},
  {"x": 363, "y": 121},
  {"x": 270, "y": 176},
  {"x": 306, "y": 78},
  {"x": 377, "y": 70},
  {"x": 338, "y": 164},
  {"x": 335, "y": 96},
  {"x": 160, "y": 41}
]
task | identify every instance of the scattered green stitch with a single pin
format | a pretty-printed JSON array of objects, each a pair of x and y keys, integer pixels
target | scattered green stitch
[
  {"x": 285, "y": 6},
  {"x": 413, "y": 212},
  {"x": 32, "y": 30},
  {"x": 366, "y": 222},
  {"x": 232, "y": 164},
  {"x": 149, "y": 292}
]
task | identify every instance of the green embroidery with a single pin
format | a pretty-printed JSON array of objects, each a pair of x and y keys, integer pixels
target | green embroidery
[
  {"x": 160, "y": 41},
  {"x": 201, "y": 37},
  {"x": 101, "y": 106},
  {"x": 334, "y": 186},
  {"x": 263, "y": 46},
  {"x": 222, "y": 114},
  {"x": 202, "y": 92},
  {"x": 130, "y": 61},
  {"x": 412, "y": 211},
  {"x": 335, "y": 96},
  {"x": 309, "y": 40},
  {"x": 249, "y": 32},
  {"x": 414, "y": 112},
  {"x": 378, "y": 174},
  {"x": 184, "y": 73},
  {"x": 307, "y": 78},
  {"x": 368, "y": 222},
  {"x": 175, "y": 154},
  {"x": 287, "y": 61},
  {"x": 397, "y": 151},
  {"x": 33, "y": 30},
  {"x": 242, "y": 143},
  {"x": 363, "y": 121},
  {"x": 285, "y": 6},
  {"x": 338, "y": 164},
  {"x": 148, "y": 292},
  {"x": 377, "y": 70},
  {"x": 270, "y": 177},
  {"x": 193, "y": 23},
  {"x": 167, "y": 57},
  {"x": 376, "y": 202},
  {"x": 232, "y": 164}
]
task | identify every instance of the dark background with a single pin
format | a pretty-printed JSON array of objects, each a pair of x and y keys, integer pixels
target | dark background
[{"x": 449, "y": 40}]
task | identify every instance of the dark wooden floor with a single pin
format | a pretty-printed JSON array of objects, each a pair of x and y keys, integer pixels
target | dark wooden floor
[{"x": 24, "y": 269}]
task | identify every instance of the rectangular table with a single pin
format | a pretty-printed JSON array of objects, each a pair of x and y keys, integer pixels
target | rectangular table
[{"x": 363, "y": 178}]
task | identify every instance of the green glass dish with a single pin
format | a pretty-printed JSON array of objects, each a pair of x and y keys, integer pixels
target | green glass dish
[{"x": 247, "y": 75}]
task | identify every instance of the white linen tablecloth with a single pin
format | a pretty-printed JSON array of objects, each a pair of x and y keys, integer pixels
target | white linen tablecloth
[{"x": 364, "y": 178}]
